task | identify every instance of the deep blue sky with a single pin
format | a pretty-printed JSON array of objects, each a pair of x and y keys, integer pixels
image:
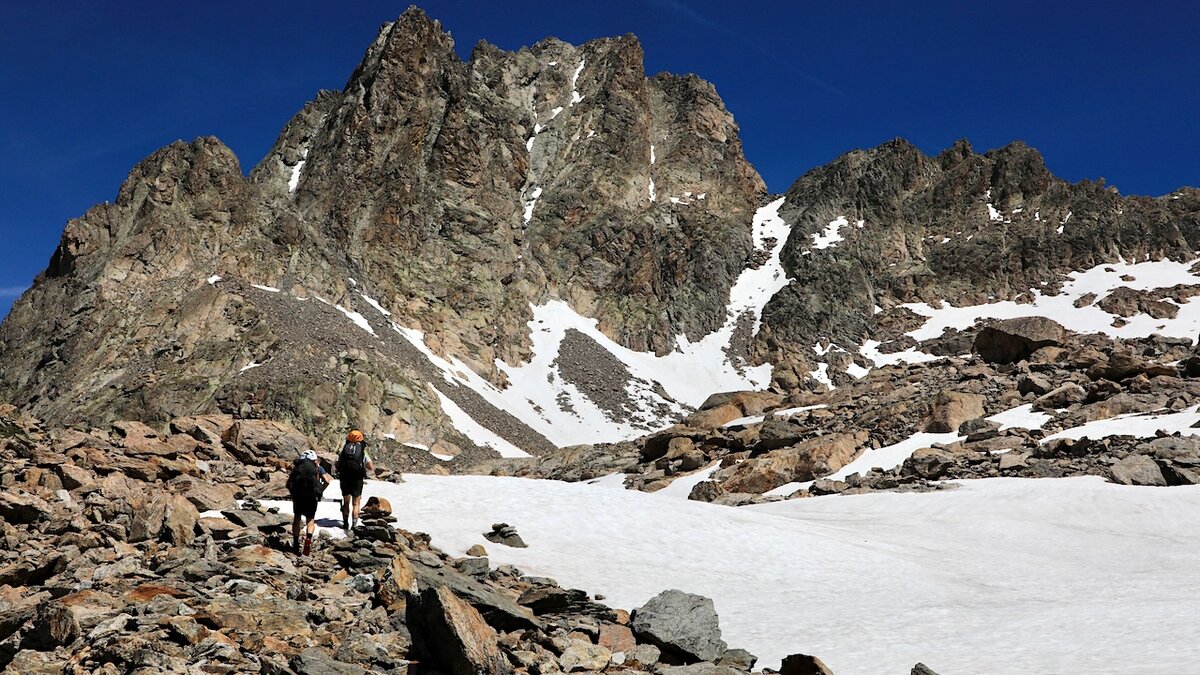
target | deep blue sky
[{"x": 1102, "y": 88}]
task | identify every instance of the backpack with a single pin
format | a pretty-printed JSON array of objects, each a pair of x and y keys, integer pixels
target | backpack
[
  {"x": 351, "y": 462},
  {"x": 305, "y": 481}
]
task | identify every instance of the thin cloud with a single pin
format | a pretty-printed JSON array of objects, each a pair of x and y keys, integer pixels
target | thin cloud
[
  {"x": 700, "y": 19},
  {"x": 9, "y": 292}
]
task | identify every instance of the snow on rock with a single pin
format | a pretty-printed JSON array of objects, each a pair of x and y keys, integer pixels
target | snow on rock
[
  {"x": 870, "y": 350},
  {"x": 981, "y": 590},
  {"x": 212, "y": 281},
  {"x": 269, "y": 289},
  {"x": 1100, "y": 280},
  {"x": 294, "y": 181},
  {"x": 755, "y": 419},
  {"x": 821, "y": 374},
  {"x": 892, "y": 456},
  {"x": 575, "y": 97},
  {"x": 1136, "y": 425},
  {"x": 856, "y": 371},
  {"x": 651, "y": 153},
  {"x": 479, "y": 434},
  {"x": 374, "y": 303},
  {"x": 249, "y": 366},
  {"x": 358, "y": 319},
  {"x": 831, "y": 235},
  {"x": 530, "y": 203},
  {"x": 653, "y": 194},
  {"x": 538, "y": 394},
  {"x": 1022, "y": 417}
]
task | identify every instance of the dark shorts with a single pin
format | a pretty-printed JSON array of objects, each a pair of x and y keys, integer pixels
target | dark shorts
[
  {"x": 351, "y": 487},
  {"x": 305, "y": 508}
]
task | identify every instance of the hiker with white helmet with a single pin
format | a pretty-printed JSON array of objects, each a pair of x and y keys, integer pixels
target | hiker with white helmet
[{"x": 306, "y": 484}]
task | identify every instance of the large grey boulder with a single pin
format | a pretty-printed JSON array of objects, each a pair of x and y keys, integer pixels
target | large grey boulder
[
  {"x": 1138, "y": 470},
  {"x": 682, "y": 624},
  {"x": 1013, "y": 340}
]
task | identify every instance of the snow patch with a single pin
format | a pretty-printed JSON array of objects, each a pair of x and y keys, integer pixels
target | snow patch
[
  {"x": 269, "y": 289},
  {"x": 372, "y": 302},
  {"x": 653, "y": 194},
  {"x": 479, "y": 434},
  {"x": 530, "y": 203},
  {"x": 1136, "y": 425},
  {"x": 294, "y": 181},
  {"x": 1100, "y": 280},
  {"x": 575, "y": 97},
  {"x": 212, "y": 281},
  {"x": 971, "y": 567},
  {"x": 831, "y": 235},
  {"x": 1022, "y": 417},
  {"x": 787, "y": 412}
]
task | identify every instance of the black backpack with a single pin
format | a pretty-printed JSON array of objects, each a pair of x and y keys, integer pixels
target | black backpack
[
  {"x": 305, "y": 481},
  {"x": 351, "y": 461}
]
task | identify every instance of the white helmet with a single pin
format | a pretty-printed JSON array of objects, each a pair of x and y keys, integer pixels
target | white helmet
[{"x": 309, "y": 455}]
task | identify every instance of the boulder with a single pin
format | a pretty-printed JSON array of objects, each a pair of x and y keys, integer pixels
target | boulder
[
  {"x": 804, "y": 461},
  {"x": 378, "y": 505},
  {"x": 256, "y": 441},
  {"x": 1137, "y": 470},
  {"x": 1061, "y": 397},
  {"x": 616, "y": 638},
  {"x": 950, "y": 409},
  {"x": 683, "y": 624},
  {"x": 451, "y": 636},
  {"x": 584, "y": 656},
  {"x": 1014, "y": 340},
  {"x": 922, "y": 669},
  {"x": 22, "y": 508},
  {"x": 53, "y": 625},
  {"x": 928, "y": 463},
  {"x": 1033, "y": 384},
  {"x": 803, "y": 664}
]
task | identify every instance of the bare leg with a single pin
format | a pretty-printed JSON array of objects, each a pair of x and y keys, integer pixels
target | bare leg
[
  {"x": 346, "y": 512},
  {"x": 357, "y": 507},
  {"x": 296, "y": 533}
]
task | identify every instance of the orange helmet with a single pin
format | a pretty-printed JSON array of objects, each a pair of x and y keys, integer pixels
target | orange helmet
[{"x": 355, "y": 436}]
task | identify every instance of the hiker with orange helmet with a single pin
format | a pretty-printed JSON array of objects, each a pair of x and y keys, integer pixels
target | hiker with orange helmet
[{"x": 353, "y": 466}]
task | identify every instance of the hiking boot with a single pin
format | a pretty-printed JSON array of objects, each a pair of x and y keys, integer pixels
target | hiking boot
[
  {"x": 307, "y": 546},
  {"x": 345, "y": 524}
]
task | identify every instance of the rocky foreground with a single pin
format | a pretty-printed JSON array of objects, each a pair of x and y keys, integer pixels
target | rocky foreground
[
  {"x": 764, "y": 443},
  {"x": 115, "y": 562}
]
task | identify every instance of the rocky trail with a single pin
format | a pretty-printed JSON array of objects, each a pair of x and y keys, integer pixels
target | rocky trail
[{"x": 130, "y": 551}]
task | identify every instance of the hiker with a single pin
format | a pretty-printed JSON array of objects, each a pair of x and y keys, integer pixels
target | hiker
[
  {"x": 353, "y": 466},
  {"x": 305, "y": 484}
]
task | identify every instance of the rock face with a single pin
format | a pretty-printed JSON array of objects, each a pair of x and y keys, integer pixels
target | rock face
[
  {"x": 455, "y": 194},
  {"x": 682, "y": 623}
]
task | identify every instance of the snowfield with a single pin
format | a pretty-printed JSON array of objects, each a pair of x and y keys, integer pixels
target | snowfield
[{"x": 1068, "y": 575}]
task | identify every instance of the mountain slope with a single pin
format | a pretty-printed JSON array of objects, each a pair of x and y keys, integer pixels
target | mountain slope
[{"x": 540, "y": 248}]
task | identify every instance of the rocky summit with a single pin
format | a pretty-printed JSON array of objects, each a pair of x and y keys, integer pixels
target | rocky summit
[{"x": 545, "y": 264}]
